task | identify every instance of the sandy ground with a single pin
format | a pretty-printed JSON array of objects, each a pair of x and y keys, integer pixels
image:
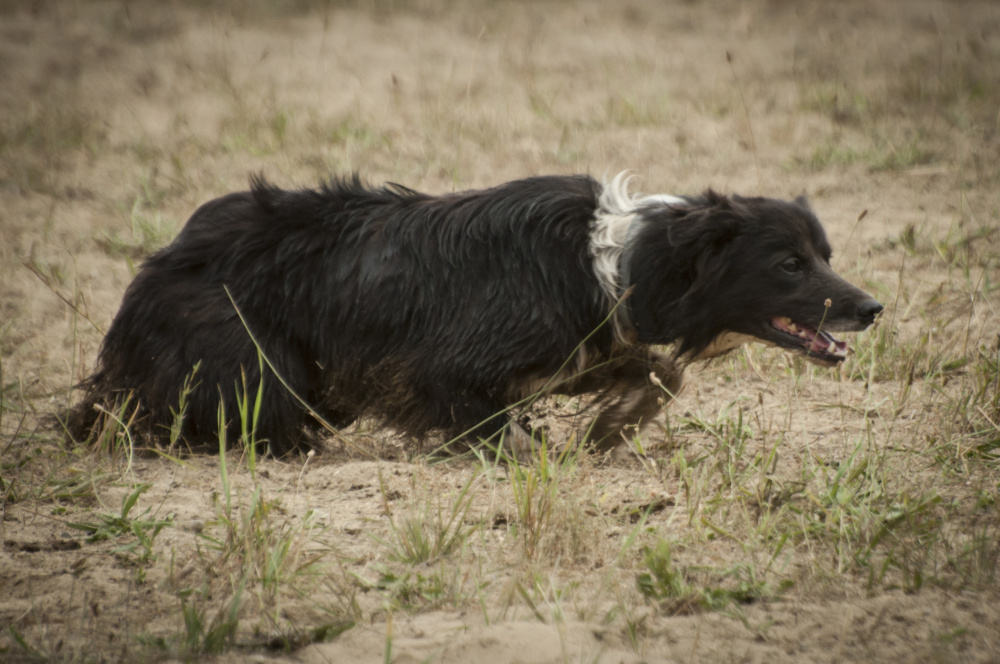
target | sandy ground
[{"x": 118, "y": 119}]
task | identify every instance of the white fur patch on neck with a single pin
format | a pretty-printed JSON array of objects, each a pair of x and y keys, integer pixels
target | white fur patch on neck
[{"x": 616, "y": 211}]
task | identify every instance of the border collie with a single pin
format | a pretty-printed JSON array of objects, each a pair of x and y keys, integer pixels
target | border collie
[{"x": 437, "y": 313}]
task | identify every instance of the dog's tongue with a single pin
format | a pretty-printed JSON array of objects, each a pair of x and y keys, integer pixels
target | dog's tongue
[
  {"x": 821, "y": 342},
  {"x": 826, "y": 342}
]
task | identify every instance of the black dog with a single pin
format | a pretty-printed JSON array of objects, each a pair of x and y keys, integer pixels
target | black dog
[{"x": 440, "y": 312}]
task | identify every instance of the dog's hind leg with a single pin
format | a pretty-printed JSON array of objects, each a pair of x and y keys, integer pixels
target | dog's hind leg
[{"x": 634, "y": 394}]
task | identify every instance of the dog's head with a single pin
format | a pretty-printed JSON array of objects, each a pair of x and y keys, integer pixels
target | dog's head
[{"x": 712, "y": 272}]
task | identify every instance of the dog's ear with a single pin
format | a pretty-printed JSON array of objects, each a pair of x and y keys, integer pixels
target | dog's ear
[
  {"x": 803, "y": 202},
  {"x": 676, "y": 262},
  {"x": 701, "y": 242}
]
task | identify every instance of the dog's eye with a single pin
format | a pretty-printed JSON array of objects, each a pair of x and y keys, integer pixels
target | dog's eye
[{"x": 792, "y": 265}]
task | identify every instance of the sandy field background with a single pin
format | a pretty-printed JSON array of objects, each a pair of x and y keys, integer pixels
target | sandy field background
[{"x": 776, "y": 512}]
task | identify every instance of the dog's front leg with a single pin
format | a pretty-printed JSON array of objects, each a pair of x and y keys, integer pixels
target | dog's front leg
[
  {"x": 484, "y": 422},
  {"x": 517, "y": 443},
  {"x": 633, "y": 395}
]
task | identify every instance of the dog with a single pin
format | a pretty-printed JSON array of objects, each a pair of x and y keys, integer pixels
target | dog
[{"x": 438, "y": 313}]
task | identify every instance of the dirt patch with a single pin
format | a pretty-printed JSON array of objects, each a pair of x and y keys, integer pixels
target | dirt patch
[{"x": 779, "y": 513}]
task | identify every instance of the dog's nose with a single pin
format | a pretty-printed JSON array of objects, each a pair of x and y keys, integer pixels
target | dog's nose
[{"x": 867, "y": 311}]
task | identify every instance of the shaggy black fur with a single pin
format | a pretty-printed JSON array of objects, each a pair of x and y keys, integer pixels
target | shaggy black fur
[{"x": 437, "y": 313}]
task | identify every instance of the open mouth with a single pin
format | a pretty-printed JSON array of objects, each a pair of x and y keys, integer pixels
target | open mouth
[{"x": 818, "y": 345}]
